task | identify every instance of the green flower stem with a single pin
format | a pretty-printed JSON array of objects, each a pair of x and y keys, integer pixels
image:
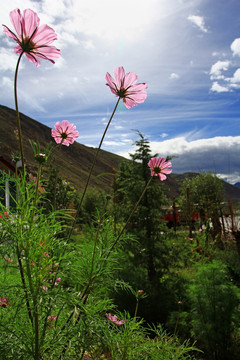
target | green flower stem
[
  {"x": 136, "y": 309},
  {"x": 37, "y": 185},
  {"x": 177, "y": 321},
  {"x": 17, "y": 112},
  {"x": 24, "y": 285},
  {"x": 129, "y": 218},
  {"x": 36, "y": 327},
  {"x": 91, "y": 170}
]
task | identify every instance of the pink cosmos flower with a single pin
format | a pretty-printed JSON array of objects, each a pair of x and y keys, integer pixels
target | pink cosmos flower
[
  {"x": 52, "y": 317},
  {"x": 32, "y": 39},
  {"x": 64, "y": 133},
  {"x": 115, "y": 320},
  {"x": 124, "y": 86},
  {"x": 4, "y": 302},
  {"x": 160, "y": 167}
]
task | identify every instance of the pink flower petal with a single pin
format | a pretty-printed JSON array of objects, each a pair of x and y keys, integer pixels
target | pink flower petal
[
  {"x": 130, "y": 79},
  {"x": 119, "y": 74},
  {"x": 30, "y": 22},
  {"x": 9, "y": 33},
  {"x": 44, "y": 35},
  {"x": 32, "y": 39},
  {"x": 16, "y": 19}
]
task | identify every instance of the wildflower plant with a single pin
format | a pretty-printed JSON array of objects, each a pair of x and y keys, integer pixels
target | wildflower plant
[{"x": 54, "y": 300}]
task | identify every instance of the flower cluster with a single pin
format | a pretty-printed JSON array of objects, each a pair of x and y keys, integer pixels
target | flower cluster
[
  {"x": 51, "y": 319},
  {"x": 4, "y": 302},
  {"x": 115, "y": 320}
]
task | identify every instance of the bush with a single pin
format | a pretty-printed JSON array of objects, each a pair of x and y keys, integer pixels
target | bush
[{"x": 213, "y": 301}]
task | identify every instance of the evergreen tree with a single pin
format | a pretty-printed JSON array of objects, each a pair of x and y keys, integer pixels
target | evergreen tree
[{"x": 146, "y": 224}]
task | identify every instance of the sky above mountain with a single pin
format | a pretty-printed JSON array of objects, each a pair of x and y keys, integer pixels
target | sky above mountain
[{"x": 188, "y": 52}]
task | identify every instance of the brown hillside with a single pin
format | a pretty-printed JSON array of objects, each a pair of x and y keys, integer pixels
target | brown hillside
[{"x": 74, "y": 162}]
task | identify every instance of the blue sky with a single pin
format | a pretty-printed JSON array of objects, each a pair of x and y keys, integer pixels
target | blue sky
[{"x": 187, "y": 51}]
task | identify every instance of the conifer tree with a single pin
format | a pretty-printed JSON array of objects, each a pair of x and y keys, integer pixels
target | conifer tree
[{"x": 131, "y": 179}]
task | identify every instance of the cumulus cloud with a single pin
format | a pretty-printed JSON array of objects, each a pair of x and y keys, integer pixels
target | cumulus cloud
[
  {"x": 235, "y": 47},
  {"x": 198, "y": 21},
  {"x": 218, "y": 154},
  {"x": 222, "y": 82},
  {"x": 218, "y": 88},
  {"x": 217, "y": 68}
]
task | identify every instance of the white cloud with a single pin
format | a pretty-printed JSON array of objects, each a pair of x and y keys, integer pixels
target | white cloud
[
  {"x": 163, "y": 135},
  {"x": 198, "y": 21},
  {"x": 218, "y": 154},
  {"x": 113, "y": 143},
  {"x": 217, "y": 68},
  {"x": 7, "y": 83},
  {"x": 7, "y": 60},
  {"x": 234, "y": 82},
  {"x": 219, "y": 88},
  {"x": 235, "y": 47},
  {"x": 174, "y": 76}
]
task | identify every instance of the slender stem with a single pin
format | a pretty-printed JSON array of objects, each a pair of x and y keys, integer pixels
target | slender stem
[
  {"x": 17, "y": 112},
  {"x": 136, "y": 309},
  {"x": 24, "y": 285},
  {"x": 132, "y": 212},
  {"x": 37, "y": 187},
  {"x": 91, "y": 170},
  {"x": 177, "y": 321},
  {"x": 36, "y": 323}
]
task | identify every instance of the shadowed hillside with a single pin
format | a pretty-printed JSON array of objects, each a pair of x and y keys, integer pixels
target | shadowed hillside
[{"x": 74, "y": 162}]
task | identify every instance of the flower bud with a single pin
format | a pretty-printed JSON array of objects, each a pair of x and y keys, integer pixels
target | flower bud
[{"x": 41, "y": 158}]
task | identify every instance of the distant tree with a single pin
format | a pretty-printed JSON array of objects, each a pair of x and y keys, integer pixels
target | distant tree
[
  {"x": 204, "y": 193},
  {"x": 146, "y": 224}
]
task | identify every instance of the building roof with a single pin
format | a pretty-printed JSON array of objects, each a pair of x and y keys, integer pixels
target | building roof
[{"x": 4, "y": 164}]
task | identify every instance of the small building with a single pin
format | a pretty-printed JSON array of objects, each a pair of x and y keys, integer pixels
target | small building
[{"x": 7, "y": 185}]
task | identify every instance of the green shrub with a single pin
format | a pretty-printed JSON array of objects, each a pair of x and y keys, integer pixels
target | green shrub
[{"x": 213, "y": 301}]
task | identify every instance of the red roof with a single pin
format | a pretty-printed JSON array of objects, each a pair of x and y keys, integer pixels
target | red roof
[{"x": 5, "y": 164}]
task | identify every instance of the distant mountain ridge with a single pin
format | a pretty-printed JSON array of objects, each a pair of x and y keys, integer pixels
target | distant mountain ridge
[{"x": 74, "y": 162}]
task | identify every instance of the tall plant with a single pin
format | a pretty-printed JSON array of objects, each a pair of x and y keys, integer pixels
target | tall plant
[{"x": 213, "y": 301}]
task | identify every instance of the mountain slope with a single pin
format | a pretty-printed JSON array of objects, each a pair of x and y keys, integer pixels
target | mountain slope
[{"x": 74, "y": 162}]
